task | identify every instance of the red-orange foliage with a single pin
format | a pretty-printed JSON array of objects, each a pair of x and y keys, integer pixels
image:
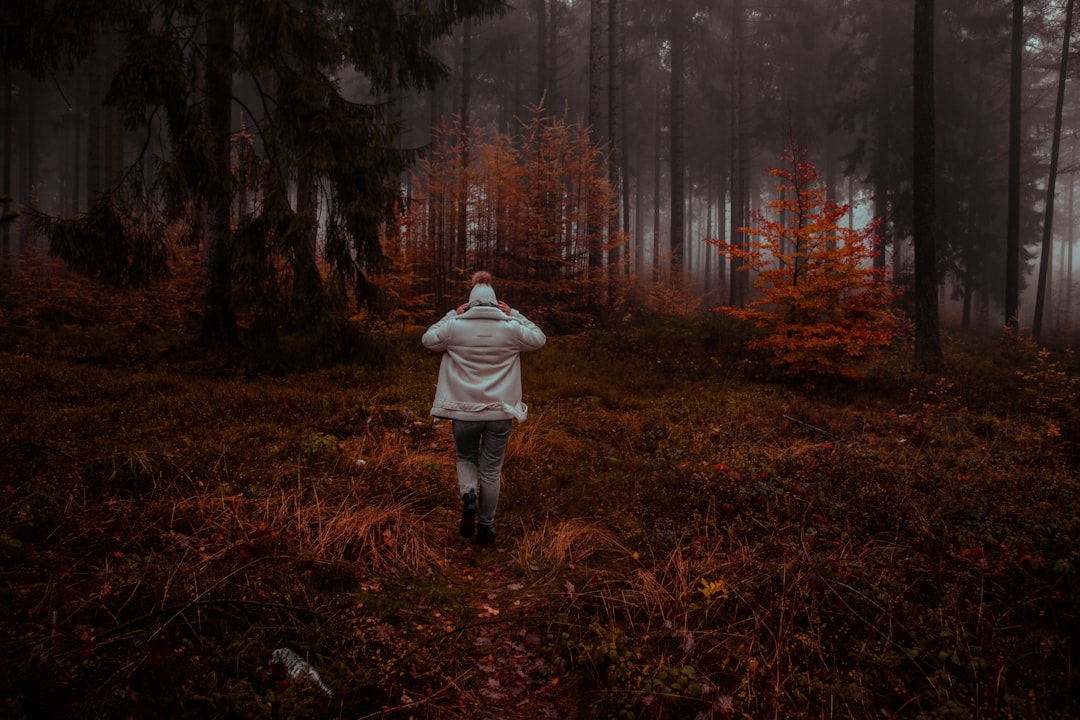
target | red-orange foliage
[
  {"x": 41, "y": 287},
  {"x": 523, "y": 200},
  {"x": 823, "y": 306}
]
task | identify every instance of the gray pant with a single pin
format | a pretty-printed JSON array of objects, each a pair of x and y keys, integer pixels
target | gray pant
[{"x": 481, "y": 448}]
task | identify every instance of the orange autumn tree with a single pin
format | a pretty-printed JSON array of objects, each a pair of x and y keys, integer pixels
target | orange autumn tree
[
  {"x": 824, "y": 309},
  {"x": 515, "y": 204}
]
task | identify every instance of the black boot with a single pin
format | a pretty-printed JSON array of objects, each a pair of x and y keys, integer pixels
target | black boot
[
  {"x": 485, "y": 534},
  {"x": 468, "y": 514}
]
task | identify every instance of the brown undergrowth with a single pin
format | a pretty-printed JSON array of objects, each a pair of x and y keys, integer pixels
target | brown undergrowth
[{"x": 680, "y": 536}]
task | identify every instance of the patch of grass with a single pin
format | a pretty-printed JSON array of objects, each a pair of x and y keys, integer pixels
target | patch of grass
[{"x": 552, "y": 547}]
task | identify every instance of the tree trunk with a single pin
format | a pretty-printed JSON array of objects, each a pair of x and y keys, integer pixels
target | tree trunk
[
  {"x": 928, "y": 354},
  {"x": 677, "y": 235},
  {"x": 437, "y": 278},
  {"x": 624, "y": 123},
  {"x": 736, "y": 283},
  {"x": 93, "y": 130},
  {"x": 219, "y": 322},
  {"x": 982, "y": 295},
  {"x": 706, "y": 269},
  {"x": 29, "y": 181},
  {"x": 461, "y": 263},
  {"x": 1012, "y": 242},
  {"x": 595, "y": 225},
  {"x": 615, "y": 150},
  {"x": 1057, "y": 279},
  {"x": 657, "y": 145},
  {"x": 721, "y": 222},
  {"x": 689, "y": 253},
  {"x": 307, "y": 283},
  {"x": 639, "y": 215},
  {"x": 541, "y": 50},
  {"x": 1051, "y": 183},
  {"x": 968, "y": 279},
  {"x": 114, "y": 122},
  {"x": 1070, "y": 241},
  {"x": 77, "y": 156},
  {"x": 851, "y": 202},
  {"x": 6, "y": 190},
  {"x": 881, "y": 186},
  {"x": 553, "y": 57}
]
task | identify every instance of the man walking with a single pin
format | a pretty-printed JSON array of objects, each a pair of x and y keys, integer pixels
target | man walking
[{"x": 479, "y": 391}]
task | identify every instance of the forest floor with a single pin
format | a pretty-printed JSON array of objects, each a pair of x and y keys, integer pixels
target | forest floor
[{"x": 682, "y": 532}]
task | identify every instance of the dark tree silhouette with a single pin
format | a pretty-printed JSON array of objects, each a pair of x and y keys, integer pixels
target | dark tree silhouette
[
  {"x": 1012, "y": 239},
  {"x": 738, "y": 283},
  {"x": 927, "y": 333},
  {"x": 1051, "y": 183},
  {"x": 219, "y": 322},
  {"x": 678, "y": 139}
]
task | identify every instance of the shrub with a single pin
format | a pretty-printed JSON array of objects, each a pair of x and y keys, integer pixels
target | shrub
[{"x": 822, "y": 305}]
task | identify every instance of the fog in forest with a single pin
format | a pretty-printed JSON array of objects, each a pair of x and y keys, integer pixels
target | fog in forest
[{"x": 690, "y": 102}]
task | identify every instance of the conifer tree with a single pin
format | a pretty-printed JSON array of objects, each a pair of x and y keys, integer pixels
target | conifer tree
[
  {"x": 823, "y": 307},
  {"x": 927, "y": 337},
  {"x": 289, "y": 69},
  {"x": 528, "y": 197}
]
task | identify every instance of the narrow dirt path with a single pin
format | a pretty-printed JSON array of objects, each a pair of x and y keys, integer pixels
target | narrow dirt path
[{"x": 509, "y": 672}]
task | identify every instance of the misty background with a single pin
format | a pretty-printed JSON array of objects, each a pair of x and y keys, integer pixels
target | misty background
[{"x": 691, "y": 101}]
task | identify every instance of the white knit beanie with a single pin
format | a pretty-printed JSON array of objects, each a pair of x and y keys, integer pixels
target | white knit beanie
[{"x": 482, "y": 294}]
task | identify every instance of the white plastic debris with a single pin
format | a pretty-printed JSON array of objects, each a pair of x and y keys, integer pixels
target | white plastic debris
[{"x": 297, "y": 668}]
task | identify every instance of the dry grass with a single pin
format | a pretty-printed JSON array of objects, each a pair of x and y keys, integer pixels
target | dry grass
[
  {"x": 379, "y": 537},
  {"x": 552, "y": 547},
  {"x": 676, "y": 539}
]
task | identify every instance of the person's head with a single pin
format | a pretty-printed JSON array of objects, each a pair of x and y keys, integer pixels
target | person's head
[{"x": 482, "y": 293}]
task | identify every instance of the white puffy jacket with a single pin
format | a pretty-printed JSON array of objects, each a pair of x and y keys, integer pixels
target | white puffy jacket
[{"x": 480, "y": 374}]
